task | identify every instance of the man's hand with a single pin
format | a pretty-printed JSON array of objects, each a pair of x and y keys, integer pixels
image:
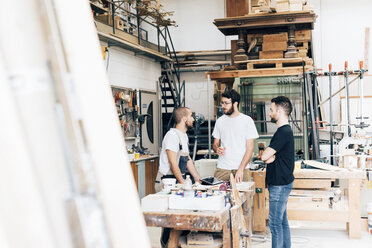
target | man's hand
[
  {"x": 270, "y": 160},
  {"x": 221, "y": 151},
  {"x": 239, "y": 176}
]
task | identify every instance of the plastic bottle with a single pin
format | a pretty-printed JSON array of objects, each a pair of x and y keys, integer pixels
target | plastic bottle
[
  {"x": 187, "y": 186},
  {"x": 188, "y": 183}
]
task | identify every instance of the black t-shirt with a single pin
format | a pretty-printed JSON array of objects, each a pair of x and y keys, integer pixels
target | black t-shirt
[{"x": 280, "y": 172}]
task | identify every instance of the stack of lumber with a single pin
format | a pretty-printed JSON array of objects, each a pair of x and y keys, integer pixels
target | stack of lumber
[
  {"x": 273, "y": 46},
  {"x": 302, "y": 37},
  {"x": 292, "y": 5}
]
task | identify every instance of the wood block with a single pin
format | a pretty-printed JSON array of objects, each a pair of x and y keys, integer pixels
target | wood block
[
  {"x": 237, "y": 8},
  {"x": 312, "y": 183},
  {"x": 271, "y": 55},
  {"x": 295, "y": 1},
  {"x": 308, "y": 7},
  {"x": 303, "y": 35},
  {"x": 295, "y": 6},
  {"x": 217, "y": 243},
  {"x": 282, "y": 7},
  {"x": 234, "y": 47},
  {"x": 275, "y": 37},
  {"x": 199, "y": 239},
  {"x": 274, "y": 46},
  {"x": 302, "y": 53}
]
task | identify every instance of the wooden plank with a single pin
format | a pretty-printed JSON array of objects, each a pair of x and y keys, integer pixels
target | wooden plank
[
  {"x": 228, "y": 75},
  {"x": 226, "y": 236},
  {"x": 315, "y": 173},
  {"x": 276, "y": 63},
  {"x": 316, "y": 215},
  {"x": 323, "y": 166},
  {"x": 312, "y": 183},
  {"x": 274, "y": 46},
  {"x": 271, "y": 55},
  {"x": 354, "y": 208},
  {"x": 275, "y": 37}
]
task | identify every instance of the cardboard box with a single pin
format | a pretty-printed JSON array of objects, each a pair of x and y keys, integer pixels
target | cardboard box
[
  {"x": 275, "y": 37},
  {"x": 274, "y": 46},
  {"x": 271, "y": 55},
  {"x": 303, "y": 35},
  {"x": 282, "y": 7},
  {"x": 295, "y": 6}
]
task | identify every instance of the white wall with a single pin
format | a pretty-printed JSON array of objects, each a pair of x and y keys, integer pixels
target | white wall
[
  {"x": 196, "y": 30},
  {"x": 130, "y": 71},
  {"x": 339, "y": 36},
  {"x": 196, "y": 93}
]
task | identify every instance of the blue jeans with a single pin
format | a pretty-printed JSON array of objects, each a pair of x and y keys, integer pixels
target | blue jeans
[{"x": 278, "y": 222}]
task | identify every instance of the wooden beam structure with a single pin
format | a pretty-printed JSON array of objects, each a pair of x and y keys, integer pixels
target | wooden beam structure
[{"x": 264, "y": 23}]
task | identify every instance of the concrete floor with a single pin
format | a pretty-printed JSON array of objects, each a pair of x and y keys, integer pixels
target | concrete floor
[{"x": 304, "y": 235}]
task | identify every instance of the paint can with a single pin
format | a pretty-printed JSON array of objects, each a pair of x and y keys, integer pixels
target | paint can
[{"x": 369, "y": 210}]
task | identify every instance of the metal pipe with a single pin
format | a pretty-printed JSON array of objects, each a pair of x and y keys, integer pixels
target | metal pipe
[
  {"x": 347, "y": 99},
  {"x": 209, "y": 119},
  {"x": 330, "y": 113}
]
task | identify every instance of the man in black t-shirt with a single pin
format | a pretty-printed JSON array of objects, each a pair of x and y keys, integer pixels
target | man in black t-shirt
[{"x": 279, "y": 157}]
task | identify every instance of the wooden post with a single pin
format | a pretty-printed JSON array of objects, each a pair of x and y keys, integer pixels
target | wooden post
[
  {"x": 174, "y": 238},
  {"x": 226, "y": 236}
]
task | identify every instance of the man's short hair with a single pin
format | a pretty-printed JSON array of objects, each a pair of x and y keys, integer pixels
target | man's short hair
[
  {"x": 283, "y": 102},
  {"x": 233, "y": 95},
  {"x": 179, "y": 113}
]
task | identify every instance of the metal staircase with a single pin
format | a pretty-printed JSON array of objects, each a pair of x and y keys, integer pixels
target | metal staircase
[{"x": 172, "y": 90}]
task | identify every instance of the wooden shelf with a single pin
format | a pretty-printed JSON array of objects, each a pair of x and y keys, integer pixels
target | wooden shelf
[{"x": 264, "y": 23}]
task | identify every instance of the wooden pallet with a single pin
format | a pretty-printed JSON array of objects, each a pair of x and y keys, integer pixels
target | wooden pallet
[{"x": 277, "y": 63}]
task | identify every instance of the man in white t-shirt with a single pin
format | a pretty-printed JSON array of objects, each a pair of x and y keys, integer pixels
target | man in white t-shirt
[
  {"x": 234, "y": 135},
  {"x": 174, "y": 156}
]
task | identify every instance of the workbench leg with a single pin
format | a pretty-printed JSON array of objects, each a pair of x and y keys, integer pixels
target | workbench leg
[
  {"x": 355, "y": 231},
  {"x": 226, "y": 236},
  {"x": 259, "y": 208},
  {"x": 174, "y": 238},
  {"x": 235, "y": 222}
]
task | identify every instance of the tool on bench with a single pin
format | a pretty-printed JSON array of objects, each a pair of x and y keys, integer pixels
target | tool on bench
[{"x": 361, "y": 71}]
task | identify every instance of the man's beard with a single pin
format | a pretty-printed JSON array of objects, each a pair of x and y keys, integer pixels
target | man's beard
[
  {"x": 230, "y": 111},
  {"x": 273, "y": 120},
  {"x": 188, "y": 126}
]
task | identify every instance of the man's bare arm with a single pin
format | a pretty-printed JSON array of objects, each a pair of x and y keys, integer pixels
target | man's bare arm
[
  {"x": 268, "y": 156},
  {"x": 172, "y": 158},
  {"x": 191, "y": 168}
]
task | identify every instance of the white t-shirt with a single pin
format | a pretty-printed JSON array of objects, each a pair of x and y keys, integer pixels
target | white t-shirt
[
  {"x": 233, "y": 133},
  {"x": 172, "y": 142}
]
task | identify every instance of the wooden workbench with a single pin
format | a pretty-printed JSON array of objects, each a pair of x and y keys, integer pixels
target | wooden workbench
[
  {"x": 351, "y": 214},
  {"x": 207, "y": 221}
]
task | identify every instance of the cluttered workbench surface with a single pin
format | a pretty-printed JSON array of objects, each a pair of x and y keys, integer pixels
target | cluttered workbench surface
[{"x": 227, "y": 218}]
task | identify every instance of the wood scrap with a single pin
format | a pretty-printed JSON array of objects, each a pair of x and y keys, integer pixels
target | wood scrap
[
  {"x": 217, "y": 243},
  {"x": 322, "y": 166},
  {"x": 197, "y": 238}
]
